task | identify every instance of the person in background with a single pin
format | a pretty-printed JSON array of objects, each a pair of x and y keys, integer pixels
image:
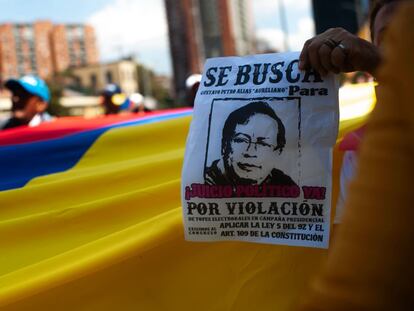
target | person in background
[
  {"x": 114, "y": 100},
  {"x": 370, "y": 266},
  {"x": 336, "y": 50},
  {"x": 192, "y": 83},
  {"x": 30, "y": 99},
  {"x": 137, "y": 103},
  {"x": 141, "y": 105}
]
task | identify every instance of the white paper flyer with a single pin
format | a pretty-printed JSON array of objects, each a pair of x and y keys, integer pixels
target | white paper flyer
[{"x": 258, "y": 161}]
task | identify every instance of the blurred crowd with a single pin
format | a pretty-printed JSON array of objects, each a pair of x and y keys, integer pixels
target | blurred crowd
[{"x": 30, "y": 98}]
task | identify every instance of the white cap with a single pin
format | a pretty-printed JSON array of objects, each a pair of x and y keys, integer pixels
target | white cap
[
  {"x": 150, "y": 103},
  {"x": 136, "y": 98},
  {"x": 193, "y": 79}
]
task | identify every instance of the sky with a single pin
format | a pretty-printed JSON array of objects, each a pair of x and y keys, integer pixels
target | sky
[{"x": 139, "y": 27}]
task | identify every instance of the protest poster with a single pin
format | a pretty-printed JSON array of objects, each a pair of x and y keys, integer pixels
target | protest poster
[{"x": 258, "y": 160}]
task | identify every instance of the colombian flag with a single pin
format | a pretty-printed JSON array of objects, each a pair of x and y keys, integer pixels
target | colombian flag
[{"x": 90, "y": 219}]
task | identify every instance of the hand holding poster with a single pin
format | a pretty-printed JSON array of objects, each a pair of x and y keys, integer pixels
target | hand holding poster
[{"x": 258, "y": 160}]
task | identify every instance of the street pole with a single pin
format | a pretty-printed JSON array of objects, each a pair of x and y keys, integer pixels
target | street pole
[{"x": 284, "y": 25}]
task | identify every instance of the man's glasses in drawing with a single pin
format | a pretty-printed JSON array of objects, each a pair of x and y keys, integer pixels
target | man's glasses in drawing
[{"x": 261, "y": 143}]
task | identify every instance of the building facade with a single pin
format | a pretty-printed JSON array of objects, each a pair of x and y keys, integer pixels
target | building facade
[
  {"x": 72, "y": 46},
  {"x": 43, "y": 48},
  {"x": 96, "y": 77},
  {"x": 200, "y": 29}
]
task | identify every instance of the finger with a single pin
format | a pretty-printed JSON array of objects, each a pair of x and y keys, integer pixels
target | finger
[
  {"x": 345, "y": 56},
  {"x": 304, "y": 57},
  {"x": 339, "y": 34},
  {"x": 338, "y": 59},
  {"x": 314, "y": 60},
  {"x": 343, "y": 46},
  {"x": 325, "y": 58}
]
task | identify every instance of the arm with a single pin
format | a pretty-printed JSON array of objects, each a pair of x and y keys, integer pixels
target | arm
[{"x": 371, "y": 264}]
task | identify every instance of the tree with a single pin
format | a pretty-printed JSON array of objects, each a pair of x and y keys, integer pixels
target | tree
[
  {"x": 150, "y": 85},
  {"x": 56, "y": 92}
]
